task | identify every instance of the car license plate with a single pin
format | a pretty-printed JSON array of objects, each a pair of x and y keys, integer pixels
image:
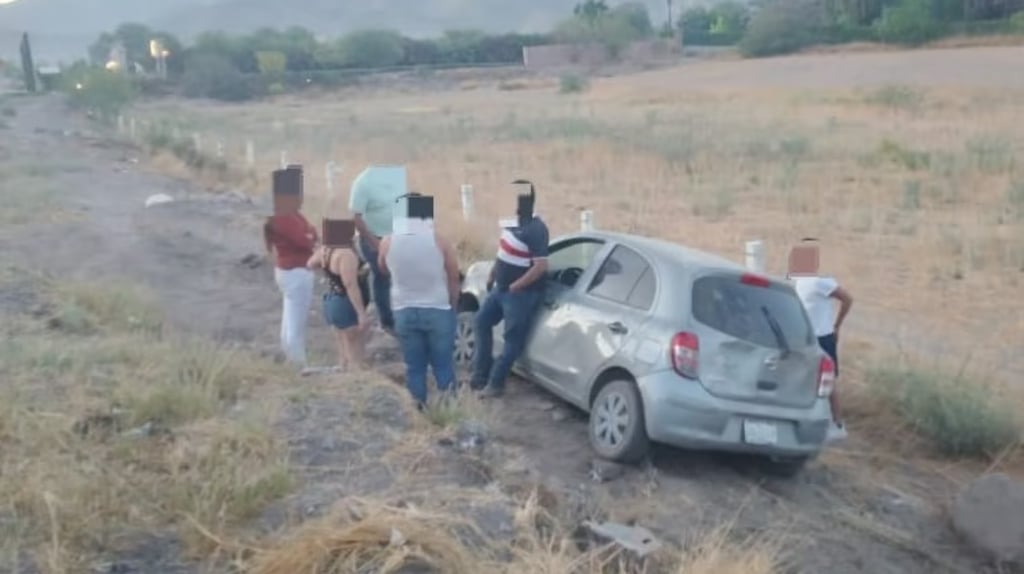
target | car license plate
[{"x": 760, "y": 432}]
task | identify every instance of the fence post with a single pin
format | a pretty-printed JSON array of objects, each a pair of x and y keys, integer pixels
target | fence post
[
  {"x": 586, "y": 220},
  {"x": 329, "y": 175},
  {"x": 220, "y": 150},
  {"x": 755, "y": 256},
  {"x": 250, "y": 153},
  {"x": 131, "y": 127},
  {"x": 120, "y": 124},
  {"x": 467, "y": 202},
  {"x": 284, "y": 159}
]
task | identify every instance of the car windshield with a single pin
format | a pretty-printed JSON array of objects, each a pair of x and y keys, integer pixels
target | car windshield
[{"x": 768, "y": 316}]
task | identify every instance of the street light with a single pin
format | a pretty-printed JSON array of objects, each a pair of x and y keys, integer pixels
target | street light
[{"x": 159, "y": 53}]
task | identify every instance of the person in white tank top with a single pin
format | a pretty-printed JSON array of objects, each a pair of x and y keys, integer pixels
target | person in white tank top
[{"x": 424, "y": 273}]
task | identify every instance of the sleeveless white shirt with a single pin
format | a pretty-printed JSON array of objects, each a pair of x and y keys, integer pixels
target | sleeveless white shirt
[{"x": 418, "y": 278}]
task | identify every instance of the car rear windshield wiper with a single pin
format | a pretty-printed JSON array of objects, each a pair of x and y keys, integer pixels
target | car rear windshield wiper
[{"x": 780, "y": 337}]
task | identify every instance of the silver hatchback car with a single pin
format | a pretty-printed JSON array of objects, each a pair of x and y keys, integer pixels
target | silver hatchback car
[{"x": 658, "y": 342}]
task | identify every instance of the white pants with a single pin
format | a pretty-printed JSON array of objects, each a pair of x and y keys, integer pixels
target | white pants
[{"x": 296, "y": 287}]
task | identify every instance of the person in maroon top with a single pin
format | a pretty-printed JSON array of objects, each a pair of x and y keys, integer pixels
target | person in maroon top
[{"x": 292, "y": 240}]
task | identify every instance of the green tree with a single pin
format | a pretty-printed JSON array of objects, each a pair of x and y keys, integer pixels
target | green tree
[
  {"x": 97, "y": 90},
  {"x": 136, "y": 38},
  {"x": 371, "y": 49},
  {"x": 908, "y": 22}
]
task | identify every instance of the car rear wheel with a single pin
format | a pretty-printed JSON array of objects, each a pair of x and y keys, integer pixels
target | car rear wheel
[
  {"x": 465, "y": 343},
  {"x": 617, "y": 428}
]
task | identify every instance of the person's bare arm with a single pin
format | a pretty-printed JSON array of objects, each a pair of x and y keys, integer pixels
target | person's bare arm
[
  {"x": 382, "y": 253},
  {"x": 536, "y": 271},
  {"x": 364, "y": 231},
  {"x": 845, "y": 303},
  {"x": 347, "y": 267},
  {"x": 316, "y": 261},
  {"x": 451, "y": 270}
]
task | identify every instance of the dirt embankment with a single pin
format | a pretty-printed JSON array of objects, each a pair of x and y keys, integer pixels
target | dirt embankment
[{"x": 852, "y": 511}]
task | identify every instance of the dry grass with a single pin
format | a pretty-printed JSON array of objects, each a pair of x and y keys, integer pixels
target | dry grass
[
  {"x": 116, "y": 429},
  {"x": 361, "y": 536}
]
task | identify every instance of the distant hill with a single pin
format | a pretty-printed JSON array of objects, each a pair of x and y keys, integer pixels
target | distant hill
[{"x": 64, "y": 28}]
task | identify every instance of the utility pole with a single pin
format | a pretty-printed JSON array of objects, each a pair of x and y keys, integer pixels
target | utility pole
[{"x": 27, "y": 66}]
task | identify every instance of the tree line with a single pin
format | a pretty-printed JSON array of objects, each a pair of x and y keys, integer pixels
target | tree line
[{"x": 222, "y": 66}]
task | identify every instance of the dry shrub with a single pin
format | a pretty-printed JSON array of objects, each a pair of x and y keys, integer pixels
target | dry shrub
[
  {"x": 719, "y": 552},
  {"x": 379, "y": 538},
  {"x": 82, "y": 307},
  {"x": 75, "y": 471},
  {"x": 958, "y": 416},
  {"x": 220, "y": 476}
]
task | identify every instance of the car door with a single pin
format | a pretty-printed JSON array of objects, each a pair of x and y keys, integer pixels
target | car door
[
  {"x": 590, "y": 324},
  {"x": 568, "y": 262}
]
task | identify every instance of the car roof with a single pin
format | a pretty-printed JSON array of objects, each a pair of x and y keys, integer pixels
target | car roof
[{"x": 665, "y": 250}]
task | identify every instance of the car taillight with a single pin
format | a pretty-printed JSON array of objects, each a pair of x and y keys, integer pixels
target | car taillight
[
  {"x": 685, "y": 353},
  {"x": 826, "y": 376},
  {"x": 755, "y": 280}
]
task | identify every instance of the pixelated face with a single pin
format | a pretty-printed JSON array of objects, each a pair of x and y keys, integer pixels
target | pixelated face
[
  {"x": 803, "y": 260},
  {"x": 285, "y": 204},
  {"x": 338, "y": 232}
]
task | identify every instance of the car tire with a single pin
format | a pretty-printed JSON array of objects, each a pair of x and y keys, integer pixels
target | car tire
[
  {"x": 465, "y": 342},
  {"x": 617, "y": 428}
]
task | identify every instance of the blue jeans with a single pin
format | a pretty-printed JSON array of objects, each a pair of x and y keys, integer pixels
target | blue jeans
[
  {"x": 427, "y": 337},
  {"x": 380, "y": 285},
  {"x": 517, "y": 310}
]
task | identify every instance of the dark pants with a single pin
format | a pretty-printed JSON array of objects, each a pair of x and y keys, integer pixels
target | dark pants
[
  {"x": 517, "y": 310},
  {"x": 830, "y": 344},
  {"x": 427, "y": 338},
  {"x": 380, "y": 285}
]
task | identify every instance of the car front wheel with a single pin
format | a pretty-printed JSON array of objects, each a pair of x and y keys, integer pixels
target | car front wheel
[
  {"x": 465, "y": 344},
  {"x": 617, "y": 428}
]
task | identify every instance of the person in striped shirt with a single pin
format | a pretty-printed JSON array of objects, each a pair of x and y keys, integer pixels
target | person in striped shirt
[{"x": 515, "y": 290}]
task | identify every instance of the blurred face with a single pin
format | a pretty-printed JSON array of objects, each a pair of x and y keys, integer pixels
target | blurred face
[
  {"x": 804, "y": 260},
  {"x": 338, "y": 232},
  {"x": 287, "y": 203}
]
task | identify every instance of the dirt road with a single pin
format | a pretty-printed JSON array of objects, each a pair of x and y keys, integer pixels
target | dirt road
[{"x": 845, "y": 516}]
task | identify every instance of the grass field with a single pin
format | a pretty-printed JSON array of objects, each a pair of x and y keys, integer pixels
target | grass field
[{"x": 912, "y": 180}]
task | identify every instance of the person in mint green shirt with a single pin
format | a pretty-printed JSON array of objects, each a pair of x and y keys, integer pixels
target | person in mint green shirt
[{"x": 372, "y": 201}]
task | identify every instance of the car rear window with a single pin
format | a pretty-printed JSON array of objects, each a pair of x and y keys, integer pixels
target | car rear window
[{"x": 725, "y": 304}]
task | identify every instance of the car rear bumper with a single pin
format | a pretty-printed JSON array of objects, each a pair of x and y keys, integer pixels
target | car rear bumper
[{"x": 680, "y": 412}]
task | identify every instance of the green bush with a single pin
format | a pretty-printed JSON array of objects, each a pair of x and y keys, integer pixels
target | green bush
[
  {"x": 962, "y": 418},
  {"x": 370, "y": 49},
  {"x": 908, "y": 22},
  {"x": 1017, "y": 22},
  {"x": 98, "y": 90},
  {"x": 573, "y": 84},
  {"x": 214, "y": 76},
  {"x": 784, "y": 26}
]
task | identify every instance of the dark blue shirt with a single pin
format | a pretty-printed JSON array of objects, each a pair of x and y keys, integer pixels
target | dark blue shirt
[{"x": 517, "y": 249}]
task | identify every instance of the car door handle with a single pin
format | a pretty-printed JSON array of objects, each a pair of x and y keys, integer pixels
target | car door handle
[{"x": 617, "y": 328}]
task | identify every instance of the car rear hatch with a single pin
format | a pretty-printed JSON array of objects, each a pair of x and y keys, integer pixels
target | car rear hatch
[{"x": 755, "y": 340}]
